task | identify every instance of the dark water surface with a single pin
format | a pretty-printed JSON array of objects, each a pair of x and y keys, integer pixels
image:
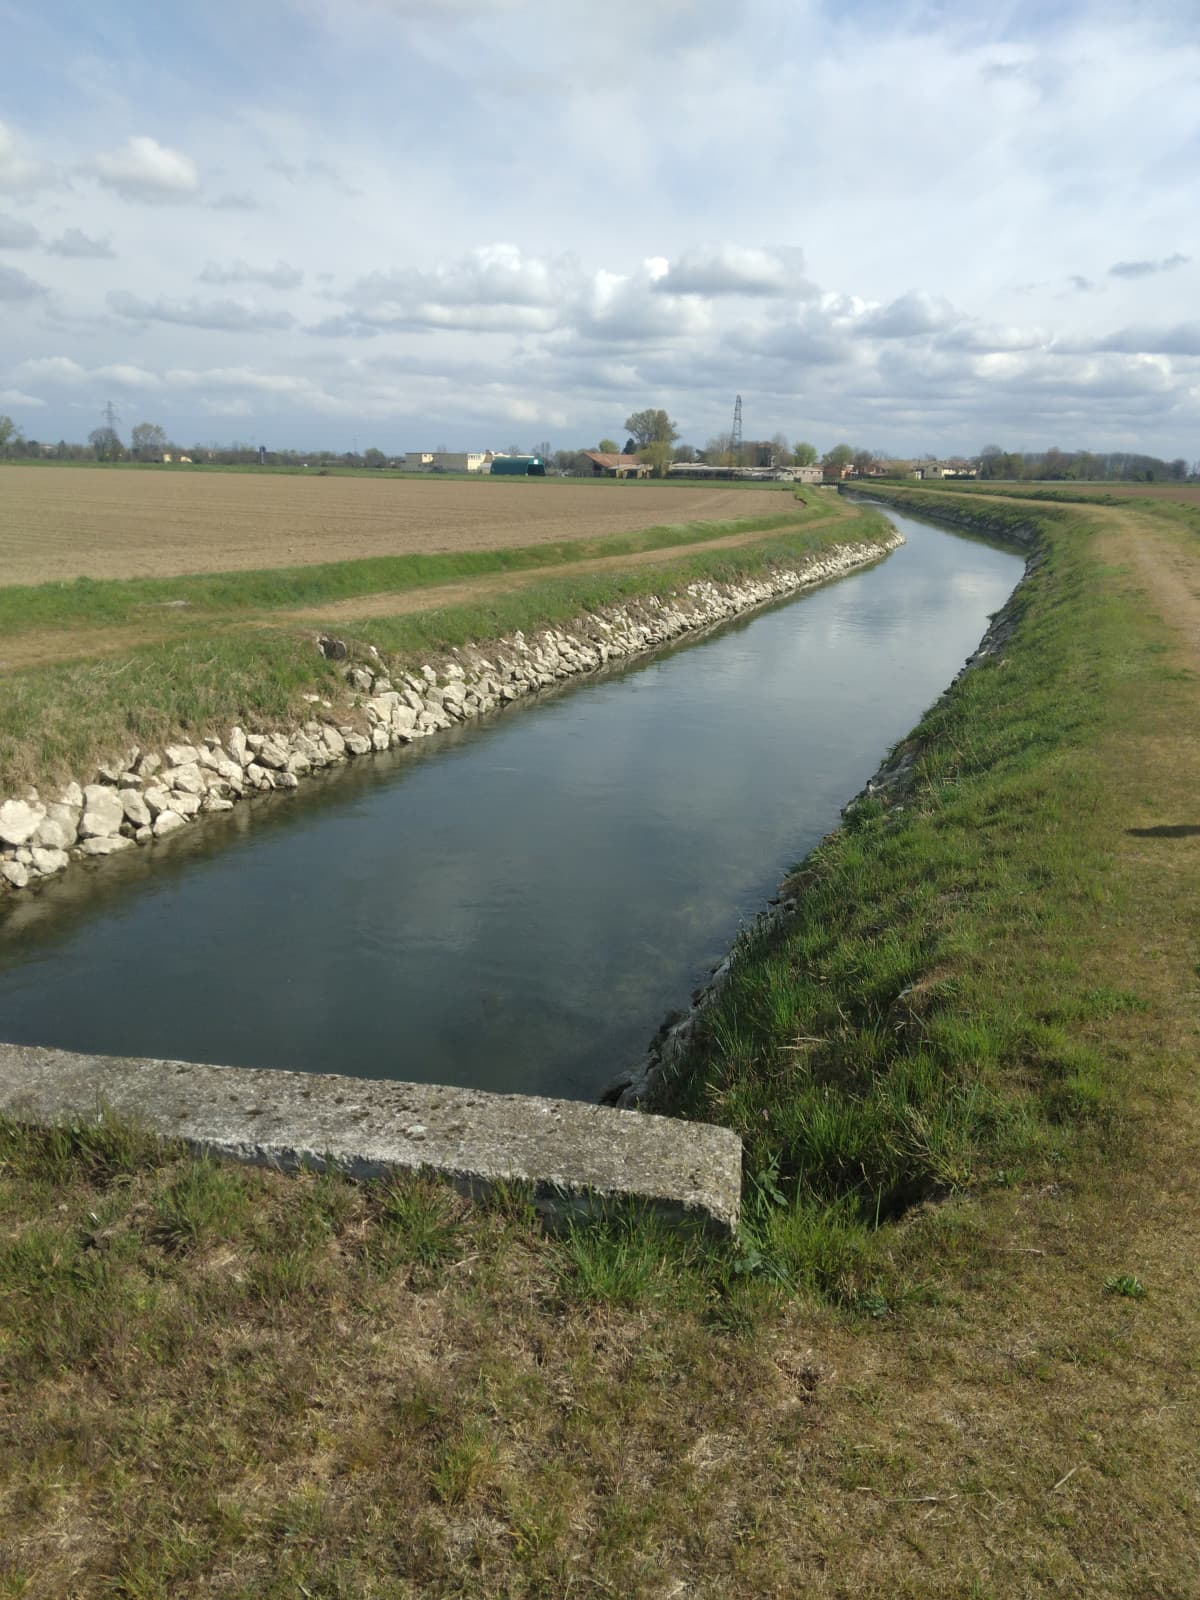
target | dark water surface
[{"x": 516, "y": 904}]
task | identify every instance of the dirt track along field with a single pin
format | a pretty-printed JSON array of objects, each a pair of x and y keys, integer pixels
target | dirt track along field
[{"x": 58, "y": 523}]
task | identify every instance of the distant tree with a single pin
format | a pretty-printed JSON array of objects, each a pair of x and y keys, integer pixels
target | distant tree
[
  {"x": 840, "y": 456},
  {"x": 514, "y": 450},
  {"x": 608, "y": 447},
  {"x": 8, "y": 432},
  {"x": 106, "y": 444},
  {"x": 718, "y": 452},
  {"x": 651, "y": 427},
  {"x": 684, "y": 453},
  {"x": 543, "y": 449},
  {"x": 781, "y": 451},
  {"x": 374, "y": 458},
  {"x": 863, "y": 459},
  {"x": 657, "y": 455},
  {"x": 147, "y": 442},
  {"x": 805, "y": 454}
]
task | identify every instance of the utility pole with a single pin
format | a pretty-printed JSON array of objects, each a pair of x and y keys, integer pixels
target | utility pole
[{"x": 735, "y": 437}]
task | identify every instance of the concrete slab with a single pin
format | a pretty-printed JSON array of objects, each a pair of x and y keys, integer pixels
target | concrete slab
[{"x": 576, "y": 1156}]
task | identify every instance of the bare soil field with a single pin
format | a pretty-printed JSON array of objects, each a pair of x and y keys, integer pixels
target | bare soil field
[{"x": 63, "y": 523}]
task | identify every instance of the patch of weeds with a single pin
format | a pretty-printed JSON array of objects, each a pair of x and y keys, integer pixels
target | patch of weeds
[
  {"x": 621, "y": 1261},
  {"x": 1126, "y": 1285},
  {"x": 205, "y": 1198},
  {"x": 462, "y": 1464},
  {"x": 420, "y": 1224}
]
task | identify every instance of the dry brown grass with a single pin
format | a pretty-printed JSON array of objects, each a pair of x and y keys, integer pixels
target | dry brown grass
[{"x": 58, "y": 523}]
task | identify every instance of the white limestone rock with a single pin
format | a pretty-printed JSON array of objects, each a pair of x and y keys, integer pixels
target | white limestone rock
[
  {"x": 105, "y": 845},
  {"x": 15, "y": 873},
  {"x": 186, "y": 779},
  {"x": 272, "y": 754},
  {"x": 103, "y": 813},
  {"x": 136, "y": 809},
  {"x": 19, "y": 821},
  {"x": 167, "y": 822},
  {"x": 358, "y": 744},
  {"x": 184, "y": 802},
  {"x": 48, "y": 862},
  {"x": 238, "y": 748},
  {"x": 181, "y": 755}
]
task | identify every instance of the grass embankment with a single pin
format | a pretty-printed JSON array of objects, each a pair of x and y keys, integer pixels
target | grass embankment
[
  {"x": 235, "y": 664},
  {"x": 227, "y": 1383}
]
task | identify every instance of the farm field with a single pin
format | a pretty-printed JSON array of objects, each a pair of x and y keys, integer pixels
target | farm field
[{"x": 62, "y": 523}]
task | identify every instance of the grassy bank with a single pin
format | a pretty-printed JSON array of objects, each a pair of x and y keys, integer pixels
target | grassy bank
[
  {"x": 56, "y": 721},
  {"x": 953, "y": 1354}
]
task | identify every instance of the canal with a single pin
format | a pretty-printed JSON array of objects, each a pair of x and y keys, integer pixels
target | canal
[{"x": 514, "y": 904}]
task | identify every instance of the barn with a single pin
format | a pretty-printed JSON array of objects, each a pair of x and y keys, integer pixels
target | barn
[{"x": 518, "y": 467}]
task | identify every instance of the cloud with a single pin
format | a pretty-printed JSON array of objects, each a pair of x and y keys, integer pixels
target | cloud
[
  {"x": 727, "y": 269},
  {"x": 912, "y": 314},
  {"x": 235, "y": 202},
  {"x": 19, "y": 172},
  {"x": 80, "y": 246},
  {"x": 17, "y": 285},
  {"x": 66, "y": 372},
  {"x": 18, "y": 397},
  {"x": 280, "y": 276},
  {"x": 1144, "y": 269},
  {"x": 493, "y": 287},
  {"x": 1181, "y": 340},
  {"x": 143, "y": 169},
  {"x": 226, "y": 316},
  {"x": 17, "y": 235}
]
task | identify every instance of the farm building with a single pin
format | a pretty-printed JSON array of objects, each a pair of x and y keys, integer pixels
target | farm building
[
  {"x": 444, "y": 460},
  {"x": 518, "y": 467},
  {"x": 607, "y": 465}
]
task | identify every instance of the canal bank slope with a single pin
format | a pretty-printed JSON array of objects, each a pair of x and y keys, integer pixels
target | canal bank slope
[
  {"x": 220, "y": 1381},
  {"x": 368, "y": 696}
]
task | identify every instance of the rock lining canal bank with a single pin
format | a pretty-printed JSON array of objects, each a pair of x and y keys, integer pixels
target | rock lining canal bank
[{"x": 141, "y": 796}]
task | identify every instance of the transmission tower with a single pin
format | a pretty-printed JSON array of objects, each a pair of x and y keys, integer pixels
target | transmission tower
[
  {"x": 111, "y": 418},
  {"x": 735, "y": 437}
]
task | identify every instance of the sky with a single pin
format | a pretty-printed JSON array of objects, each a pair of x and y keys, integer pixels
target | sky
[{"x": 414, "y": 224}]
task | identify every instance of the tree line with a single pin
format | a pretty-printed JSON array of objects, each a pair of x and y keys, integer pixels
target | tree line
[{"x": 651, "y": 435}]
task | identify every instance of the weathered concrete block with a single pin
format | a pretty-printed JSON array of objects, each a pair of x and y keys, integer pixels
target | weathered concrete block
[{"x": 574, "y": 1155}]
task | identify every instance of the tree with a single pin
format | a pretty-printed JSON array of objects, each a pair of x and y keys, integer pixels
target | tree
[
  {"x": 840, "y": 456},
  {"x": 781, "y": 451},
  {"x": 805, "y": 454},
  {"x": 542, "y": 449},
  {"x": 657, "y": 455},
  {"x": 147, "y": 442},
  {"x": 106, "y": 444},
  {"x": 651, "y": 427},
  {"x": 374, "y": 458},
  {"x": 608, "y": 447},
  {"x": 862, "y": 460},
  {"x": 8, "y": 430}
]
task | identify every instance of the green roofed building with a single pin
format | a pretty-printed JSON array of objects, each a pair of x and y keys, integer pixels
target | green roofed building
[{"x": 518, "y": 467}]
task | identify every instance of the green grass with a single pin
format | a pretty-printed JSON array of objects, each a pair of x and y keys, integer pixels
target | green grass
[
  {"x": 869, "y": 1054},
  {"x": 57, "y": 721}
]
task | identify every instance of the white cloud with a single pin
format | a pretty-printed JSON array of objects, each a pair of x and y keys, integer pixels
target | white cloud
[
  {"x": 19, "y": 171},
  {"x": 1146, "y": 269},
  {"x": 18, "y": 397},
  {"x": 17, "y": 235},
  {"x": 226, "y": 316},
  {"x": 143, "y": 169},
  {"x": 733, "y": 269},
  {"x": 64, "y": 372}
]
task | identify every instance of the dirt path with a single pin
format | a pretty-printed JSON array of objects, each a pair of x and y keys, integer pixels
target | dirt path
[{"x": 72, "y": 644}]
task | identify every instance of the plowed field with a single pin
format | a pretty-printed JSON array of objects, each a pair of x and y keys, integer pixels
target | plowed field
[{"x": 67, "y": 522}]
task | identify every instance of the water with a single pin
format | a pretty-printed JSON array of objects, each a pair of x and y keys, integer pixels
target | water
[{"x": 517, "y": 904}]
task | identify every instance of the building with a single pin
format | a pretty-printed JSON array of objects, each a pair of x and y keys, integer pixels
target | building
[
  {"x": 518, "y": 467},
  {"x": 607, "y": 465},
  {"x": 813, "y": 474},
  {"x": 444, "y": 460}
]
